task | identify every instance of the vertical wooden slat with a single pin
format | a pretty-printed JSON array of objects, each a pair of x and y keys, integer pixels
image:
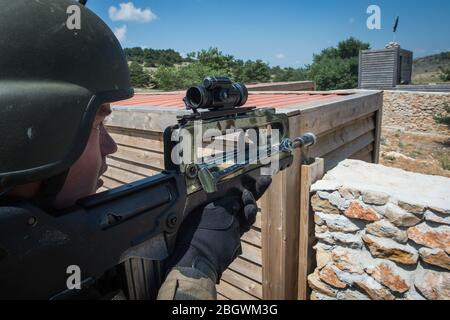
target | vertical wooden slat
[
  {"x": 309, "y": 174},
  {"x": 280, "y": 212}
]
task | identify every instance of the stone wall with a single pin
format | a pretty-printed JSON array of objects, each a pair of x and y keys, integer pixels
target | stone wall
[
  {"x": 383, "y": 233},
  {"x": 414, "y": 111}
]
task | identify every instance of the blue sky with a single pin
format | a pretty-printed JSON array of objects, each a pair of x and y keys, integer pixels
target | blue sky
[{"x": 282, "y": 32}]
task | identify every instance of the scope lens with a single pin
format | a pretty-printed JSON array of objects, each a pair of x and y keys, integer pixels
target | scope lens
[
  {"x": 243, "y": 92},
  {"x": 195, "y": 97}
]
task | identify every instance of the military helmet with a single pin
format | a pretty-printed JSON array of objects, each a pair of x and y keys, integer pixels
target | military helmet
[{"x": 53, "y": 78}]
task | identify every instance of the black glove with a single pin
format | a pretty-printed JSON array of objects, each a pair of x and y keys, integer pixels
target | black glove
[{"x": 209, "y": 239}]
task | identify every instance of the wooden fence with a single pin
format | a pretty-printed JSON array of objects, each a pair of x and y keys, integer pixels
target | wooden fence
[{"x": 277, "y": 251}]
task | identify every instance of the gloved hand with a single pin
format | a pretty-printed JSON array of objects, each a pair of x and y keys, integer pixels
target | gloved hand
[{"x": 209, "y": 239}]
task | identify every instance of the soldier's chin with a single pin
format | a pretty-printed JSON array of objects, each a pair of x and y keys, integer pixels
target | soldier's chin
[{"x": 99, "y": 183}]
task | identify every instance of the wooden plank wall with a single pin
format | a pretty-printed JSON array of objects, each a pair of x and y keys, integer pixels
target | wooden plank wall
[
  {"x": 139, "y": 155},
  {"x": 349, "y": 130},
  {"x": 269, "y": 266},
  {"x": 378, "y": 69}
]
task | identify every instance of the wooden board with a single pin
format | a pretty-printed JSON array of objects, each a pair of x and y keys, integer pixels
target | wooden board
[
  {"x": 328, "y": 117},
  {"x": 231, "y": 292},
  {"x": 246, "y": 284},
  {"x": 154, "y": 160},
  {"x": 336, "y": 139},
  {"x": 221, "y": 297},
  {"x": 280, "y": 229},
  {"x": 333, "y": 158},
  {"x": 131, "y": 166},
  {"x": 111, "y": 183},
  {"x": 145, "y": 140},
  {"x": 248, "y": 269},
  {"x": 253, "y": 237},
  {"x": 102, "y": 189},
  {"x": 251, "y": 253},
  {"x": 257, "y": 224},
  {"x": 309, "y": 175},
  {"x": 123, "y": 175},
  {"x": 365, "y": 154}
]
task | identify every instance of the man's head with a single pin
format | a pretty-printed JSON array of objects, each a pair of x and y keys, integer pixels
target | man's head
[
  {"x": 56, "y": 84},
  {"x": 83, "y": 178}
]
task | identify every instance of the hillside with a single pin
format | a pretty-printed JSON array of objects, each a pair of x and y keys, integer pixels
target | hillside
[{"x": 427, "y": 69}]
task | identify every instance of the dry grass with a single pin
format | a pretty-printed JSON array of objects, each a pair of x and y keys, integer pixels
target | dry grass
[{"x": 422, "y": 153}]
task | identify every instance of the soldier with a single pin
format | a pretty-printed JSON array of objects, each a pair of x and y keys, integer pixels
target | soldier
[{"x": 56, "y": 86}]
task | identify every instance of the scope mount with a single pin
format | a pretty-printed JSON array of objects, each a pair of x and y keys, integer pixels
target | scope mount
[{"x": 211, "y": 114}]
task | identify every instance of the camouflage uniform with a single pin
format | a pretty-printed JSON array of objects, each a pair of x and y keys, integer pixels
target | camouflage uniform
[{"x": 187, "y": 284}]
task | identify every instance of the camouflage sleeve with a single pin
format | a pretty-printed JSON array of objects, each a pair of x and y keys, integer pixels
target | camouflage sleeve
[{"x": 187, "y": 284}]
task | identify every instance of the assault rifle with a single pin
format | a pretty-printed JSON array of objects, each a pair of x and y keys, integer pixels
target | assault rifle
[{"x": 119, "y": 239}]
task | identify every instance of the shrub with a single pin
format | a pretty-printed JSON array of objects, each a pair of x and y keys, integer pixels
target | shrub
[{"x": 443, "y": 118}]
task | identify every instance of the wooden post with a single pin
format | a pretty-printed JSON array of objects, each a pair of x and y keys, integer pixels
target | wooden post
[
  {"x": 309, "y": 174},
  {"x": 279, "y": 221}
]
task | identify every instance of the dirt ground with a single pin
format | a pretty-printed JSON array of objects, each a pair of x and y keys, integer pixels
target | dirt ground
[{"x": 416, "y": 152}]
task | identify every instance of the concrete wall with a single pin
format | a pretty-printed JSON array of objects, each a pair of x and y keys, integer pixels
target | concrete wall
[
  {"x": 383, "y": 234},
  {"x": 414, "y": 111}
]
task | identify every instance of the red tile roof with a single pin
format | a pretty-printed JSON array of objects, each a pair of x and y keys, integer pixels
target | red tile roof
[{"x": 260, "y": 100}]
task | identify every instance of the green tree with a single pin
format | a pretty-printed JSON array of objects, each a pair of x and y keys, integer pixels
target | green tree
[
  {"x": 350, "y": 48},
  {"x": 134, "y": 54},
  {"x": 288, "y": 74},
  {"x": 255, "y": 71},
  {"x": 238, "y": 70},
  {"x": 153, "y": 57},
  {"x": 333, "y": 74},
  {"x": 337, "y": 68},
  {"x": 211, "y": 62},
  {"x": 214, "y": 59},
  {"x": 139, "y": 78},
  {"x": 172, "y": 78}
]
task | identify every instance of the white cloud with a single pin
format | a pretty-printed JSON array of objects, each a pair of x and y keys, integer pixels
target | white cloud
[
  {"x": 121, "y": 33},
  {"x": 280, "y": 56},
  {"x": 128, "y": 12}
]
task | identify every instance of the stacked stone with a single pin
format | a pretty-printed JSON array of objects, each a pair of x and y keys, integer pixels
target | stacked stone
[
  {"x": 414, "y": 111},
  {"x": 372, "y": 245}
]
